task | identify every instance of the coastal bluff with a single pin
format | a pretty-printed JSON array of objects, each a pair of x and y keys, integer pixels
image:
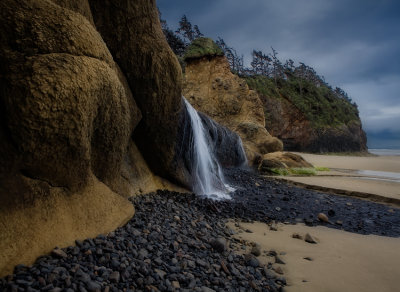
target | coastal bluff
[
  {"x": 213, "y": 89},
  {"x": 91, "y": 114},
  {"x": 310, "y": 117},
  {"x": 299, "y": 133}
]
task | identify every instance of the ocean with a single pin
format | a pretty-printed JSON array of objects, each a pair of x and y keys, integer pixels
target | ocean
[{"x": 385, "y": 152}]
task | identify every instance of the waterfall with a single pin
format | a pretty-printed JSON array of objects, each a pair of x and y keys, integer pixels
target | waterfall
[{"x": 207, "y": 177}]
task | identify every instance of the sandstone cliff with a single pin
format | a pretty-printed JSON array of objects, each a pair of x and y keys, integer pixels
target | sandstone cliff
[
  {"x": 212, "y": 89},
  {"x": 91, "y": 113},
  {"x": 63, "y": 102}
]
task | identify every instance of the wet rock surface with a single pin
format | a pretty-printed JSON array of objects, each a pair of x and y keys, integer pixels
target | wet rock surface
[{"x": 179, "y": 242}]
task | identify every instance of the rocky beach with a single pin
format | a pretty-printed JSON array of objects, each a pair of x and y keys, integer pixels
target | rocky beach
[
  {"x": 183, "y": 242},
  {"x": 139, "y": 158}
]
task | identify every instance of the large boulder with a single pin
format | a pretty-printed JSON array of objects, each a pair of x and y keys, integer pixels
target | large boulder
[
  {"x": 213, "y": 89},
  {"x": 282, "y": 160}
]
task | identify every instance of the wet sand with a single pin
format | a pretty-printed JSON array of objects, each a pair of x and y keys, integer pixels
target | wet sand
[
  {"x": 341, "y": 261},
  {"x": 369, "y": 186},
  {"x": 377, "y": 163},
  {"x": 377, "y": 175}
]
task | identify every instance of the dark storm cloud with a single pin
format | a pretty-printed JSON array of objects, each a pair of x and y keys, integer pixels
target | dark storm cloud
[{"x": 354, "y": 44}]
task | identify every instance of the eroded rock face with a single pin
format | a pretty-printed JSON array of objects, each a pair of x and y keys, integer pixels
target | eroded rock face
[
  {"x": 212, "y": 89},
  {"x": 153, "y": 73},
  {"x": 67, "y": 121},
  {"x": 65, "y": 102},
  {"x": 297, "y": 133},
  {"x": 67, "y": 116}
]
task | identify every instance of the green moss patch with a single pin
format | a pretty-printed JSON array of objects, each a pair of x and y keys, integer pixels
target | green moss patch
[
  {"x": 321, "y": 168},
  {"x": 303, "y": 171},
  {"x": 279, "y": 171},
  {"x": 202, "y": 47}
]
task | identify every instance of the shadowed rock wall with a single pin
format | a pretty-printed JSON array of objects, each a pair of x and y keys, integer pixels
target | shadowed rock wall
[{"x": 153, "y": 73}]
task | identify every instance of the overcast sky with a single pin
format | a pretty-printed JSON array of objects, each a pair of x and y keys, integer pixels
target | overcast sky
[{"x": 354, "y": 44}]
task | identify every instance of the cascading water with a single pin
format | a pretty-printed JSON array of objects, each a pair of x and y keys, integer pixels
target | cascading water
[{"x": 207, "y": 176}]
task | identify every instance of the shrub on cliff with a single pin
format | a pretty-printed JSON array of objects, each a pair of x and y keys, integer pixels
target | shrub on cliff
[
  {"x": 318, "y": 103},
  {"x": 202, "y": 47}
]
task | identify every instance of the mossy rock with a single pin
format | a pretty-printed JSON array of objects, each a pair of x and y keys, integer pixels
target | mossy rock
[{"x": 202, "y": 47}]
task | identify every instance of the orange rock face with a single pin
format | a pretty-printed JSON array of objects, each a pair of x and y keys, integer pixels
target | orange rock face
[{"x": 212, "y": 89}]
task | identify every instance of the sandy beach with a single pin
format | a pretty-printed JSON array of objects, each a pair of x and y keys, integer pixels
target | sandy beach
[
  {"x": 377, "y": 163},
  {"x": 376, "y": 175},
  {"x": 340, "y": 261}
]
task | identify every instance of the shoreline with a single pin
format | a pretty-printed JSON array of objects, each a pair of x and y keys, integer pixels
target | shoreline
[
  {"x": 376, "y": 163},
  {"x": 375, "y": 178},
  {"x": 390, "y": 201}
]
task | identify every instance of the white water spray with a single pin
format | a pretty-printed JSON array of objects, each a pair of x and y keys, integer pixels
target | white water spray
[{"x": 207, "y": 177}]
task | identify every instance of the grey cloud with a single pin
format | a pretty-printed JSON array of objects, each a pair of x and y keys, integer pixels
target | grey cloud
[{"x": 354, "y": 44}]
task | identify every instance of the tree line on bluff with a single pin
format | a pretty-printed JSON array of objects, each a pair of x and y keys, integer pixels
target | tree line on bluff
[{"x": 262, "y": 65}]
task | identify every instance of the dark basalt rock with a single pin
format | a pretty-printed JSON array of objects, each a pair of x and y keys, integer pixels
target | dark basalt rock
[{"x": 226, "y": 144}]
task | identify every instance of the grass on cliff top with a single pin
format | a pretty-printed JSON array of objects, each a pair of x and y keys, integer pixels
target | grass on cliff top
[
  {"x": 319, "y": 104},
  {"x": 202, "y": 47}
]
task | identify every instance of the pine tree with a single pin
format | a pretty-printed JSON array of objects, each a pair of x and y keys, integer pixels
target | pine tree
[
  {"x": 261, "y": 63},
  {"x": 188, "y": 32},
  {"x": 235, "y": 61}
]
